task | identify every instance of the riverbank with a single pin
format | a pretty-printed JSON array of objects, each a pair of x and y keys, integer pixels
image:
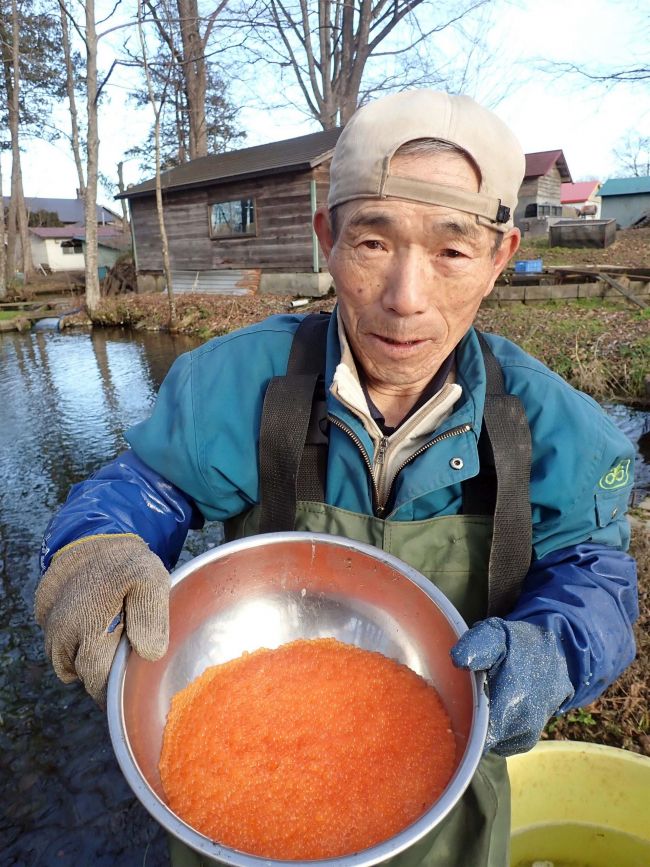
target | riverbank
[{"x": 601, "y": 347}]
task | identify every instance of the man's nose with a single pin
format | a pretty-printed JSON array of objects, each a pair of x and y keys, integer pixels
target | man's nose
[{"x": 407, "y": 287}]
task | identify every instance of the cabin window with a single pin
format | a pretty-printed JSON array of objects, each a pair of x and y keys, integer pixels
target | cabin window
[
  {"x": 70, "y": 248},
  {"x": 232, "y": 219},
  {"x": 549, "y": 211}
]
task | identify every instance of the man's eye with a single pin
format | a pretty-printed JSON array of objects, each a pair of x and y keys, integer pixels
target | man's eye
[
  {"x": 452, "y": 254},
  {"x": 373, "y": 245}
]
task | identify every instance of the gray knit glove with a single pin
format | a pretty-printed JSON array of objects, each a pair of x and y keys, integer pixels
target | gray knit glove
[{"x": 91, "y": 591}]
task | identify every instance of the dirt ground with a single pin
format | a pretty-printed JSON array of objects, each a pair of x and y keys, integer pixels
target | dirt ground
[{"x": 631, "y": 249}]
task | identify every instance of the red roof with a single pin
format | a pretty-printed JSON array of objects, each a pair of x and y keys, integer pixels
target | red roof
[
  {"x": 542, "y": 162},
  {"x": 580, "y": 192},
  {"x": 107, "y": 236}
]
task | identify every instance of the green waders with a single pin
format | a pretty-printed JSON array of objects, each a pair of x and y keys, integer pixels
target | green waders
[{"x": 458, "y": 553}]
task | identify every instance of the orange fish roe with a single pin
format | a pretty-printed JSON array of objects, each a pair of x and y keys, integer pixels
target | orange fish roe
[{"x": 313, "y": 750}]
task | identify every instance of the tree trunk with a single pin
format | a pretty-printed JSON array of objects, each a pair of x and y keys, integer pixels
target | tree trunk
[
  {"x": 92, "y": 277},
  {"x": 69, "y": 84},
  {"x": 167, "y": 268},
  {"x": 195, "y": 75},
  {"x": 157, "y": 110},
  {"x": 120, "y": 186},
  {"x": 3, "y": 251},
  {"x": 14, "y": 127},
  {"x": 6, "y": 42},
  {"x": 11, "y": 236}
]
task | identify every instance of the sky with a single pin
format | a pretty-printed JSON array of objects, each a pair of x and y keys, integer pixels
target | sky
[{"x": 546, "y": 112}]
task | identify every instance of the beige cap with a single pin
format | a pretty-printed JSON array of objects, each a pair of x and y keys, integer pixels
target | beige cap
[{"x": 361, "y": 164}]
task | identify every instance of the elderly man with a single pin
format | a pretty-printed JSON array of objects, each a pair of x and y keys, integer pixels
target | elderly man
[{"x": 453, "y": 450}]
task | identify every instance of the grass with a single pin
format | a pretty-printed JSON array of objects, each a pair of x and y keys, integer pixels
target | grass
[
  {"x": 9, "y": 314},
  {"x": 600, "y": 347},
  {"x": 636, "y": 362}
]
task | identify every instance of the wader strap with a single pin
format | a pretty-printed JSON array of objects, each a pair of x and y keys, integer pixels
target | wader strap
[
  {"x": 507, "y": 427},
  {"x": 290, "y": 469},
  {"x": 480, "y": 491}
]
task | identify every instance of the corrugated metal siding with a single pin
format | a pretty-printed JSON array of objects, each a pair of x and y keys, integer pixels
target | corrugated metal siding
[{"x": 226, "y": 282}]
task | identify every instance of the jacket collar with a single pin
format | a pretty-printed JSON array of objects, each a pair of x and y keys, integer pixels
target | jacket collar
[{"x": 470, "y": 375}]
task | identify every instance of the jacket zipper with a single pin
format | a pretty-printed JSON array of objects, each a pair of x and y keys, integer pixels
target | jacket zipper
[{"x": 380, "y": 508}]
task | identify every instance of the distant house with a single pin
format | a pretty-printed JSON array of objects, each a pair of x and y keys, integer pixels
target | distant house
[
  {"x": 626, "y": 200},
  {"x": 68, "y": 211},
  {"x": 581, "y": 199},
  {"x": 238, "y": 221},
  {"x": 540, "y": 194},
  {"x": 63, "y": 248}
]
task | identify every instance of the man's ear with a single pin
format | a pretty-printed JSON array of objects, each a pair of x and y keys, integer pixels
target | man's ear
[
  {"x": 323, "y": 229},
  {"x": 507, "y": 249}
]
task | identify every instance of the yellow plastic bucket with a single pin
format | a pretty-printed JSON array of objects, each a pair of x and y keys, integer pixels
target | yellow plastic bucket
[{"x": 576, "y": 804}]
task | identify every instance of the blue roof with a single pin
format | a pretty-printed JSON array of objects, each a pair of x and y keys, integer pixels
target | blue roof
[
  {"x": 625, "y": 186},
  {"x": 68, "y": 210}
]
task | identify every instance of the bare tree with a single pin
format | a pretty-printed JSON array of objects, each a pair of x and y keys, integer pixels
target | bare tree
[
  {"x": 220, "y": 113},
  {"x": 634, "y": 70},
  {"x": 157, "y": 108},
  {"x": 186, "y": 34},
  {"x": 29, "y": 83},
  {"x": 122, "y": 189},
  {"x": 610, "y": 76},
  {"x": 328, "y": 46},
  {"x": 633, "y": 155},
  {"x": 70, "y": 81},
  {"x": 3, "y": 251},
  {"x": 17, "y": 213},
  {"x": 93, "y": 293},
  {"x": 90, "y": 38}
]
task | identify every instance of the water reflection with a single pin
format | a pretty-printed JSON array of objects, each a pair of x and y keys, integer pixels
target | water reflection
[{"x": 65, "y": 399}]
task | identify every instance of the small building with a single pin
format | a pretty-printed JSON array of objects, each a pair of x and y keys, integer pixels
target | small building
[
  {"x": 540, "y": 194},
  {"x": 581, "y": 199},
  {"x": 626, "y": 200},
  {"x": 62, "y": 248},
  {"x": 239, "y": 221}
]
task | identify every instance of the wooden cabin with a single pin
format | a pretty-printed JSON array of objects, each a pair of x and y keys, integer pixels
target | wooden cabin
[
  {"x": 238, "y": 222},
  {"x": 540, "y": 194}
]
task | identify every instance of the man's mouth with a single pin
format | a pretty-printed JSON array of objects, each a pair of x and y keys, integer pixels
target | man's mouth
[{"x": 394, "y": 342}]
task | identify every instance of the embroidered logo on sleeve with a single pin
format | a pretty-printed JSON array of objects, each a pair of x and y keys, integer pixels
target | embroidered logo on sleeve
[{"x": 617, "y": 477}]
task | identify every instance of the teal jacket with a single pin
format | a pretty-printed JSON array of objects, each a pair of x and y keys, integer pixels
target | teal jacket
[{"x": 196, "y": 458}]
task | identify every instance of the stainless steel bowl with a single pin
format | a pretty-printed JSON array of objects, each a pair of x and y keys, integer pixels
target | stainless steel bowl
[{"x": 268, "y": 590}]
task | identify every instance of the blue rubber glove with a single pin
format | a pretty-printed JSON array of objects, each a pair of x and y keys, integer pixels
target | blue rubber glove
[{"x": 527, "y": 679}]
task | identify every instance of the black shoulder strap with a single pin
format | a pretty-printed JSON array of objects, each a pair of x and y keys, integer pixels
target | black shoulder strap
[
  {"x": 292, "y": 457},
  {"x": 506, "y": 425}
]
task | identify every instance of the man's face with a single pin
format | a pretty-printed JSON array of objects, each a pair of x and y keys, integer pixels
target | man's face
[{"x": 410, "y": 276}]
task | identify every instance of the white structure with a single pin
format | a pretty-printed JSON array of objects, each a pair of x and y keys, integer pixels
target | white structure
[
  {"x": 62, "y": 248},
  {"x": 582, "y": 199}
]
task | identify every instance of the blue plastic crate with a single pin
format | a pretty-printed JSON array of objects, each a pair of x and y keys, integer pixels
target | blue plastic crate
[{"x": 528, "y": 266}]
